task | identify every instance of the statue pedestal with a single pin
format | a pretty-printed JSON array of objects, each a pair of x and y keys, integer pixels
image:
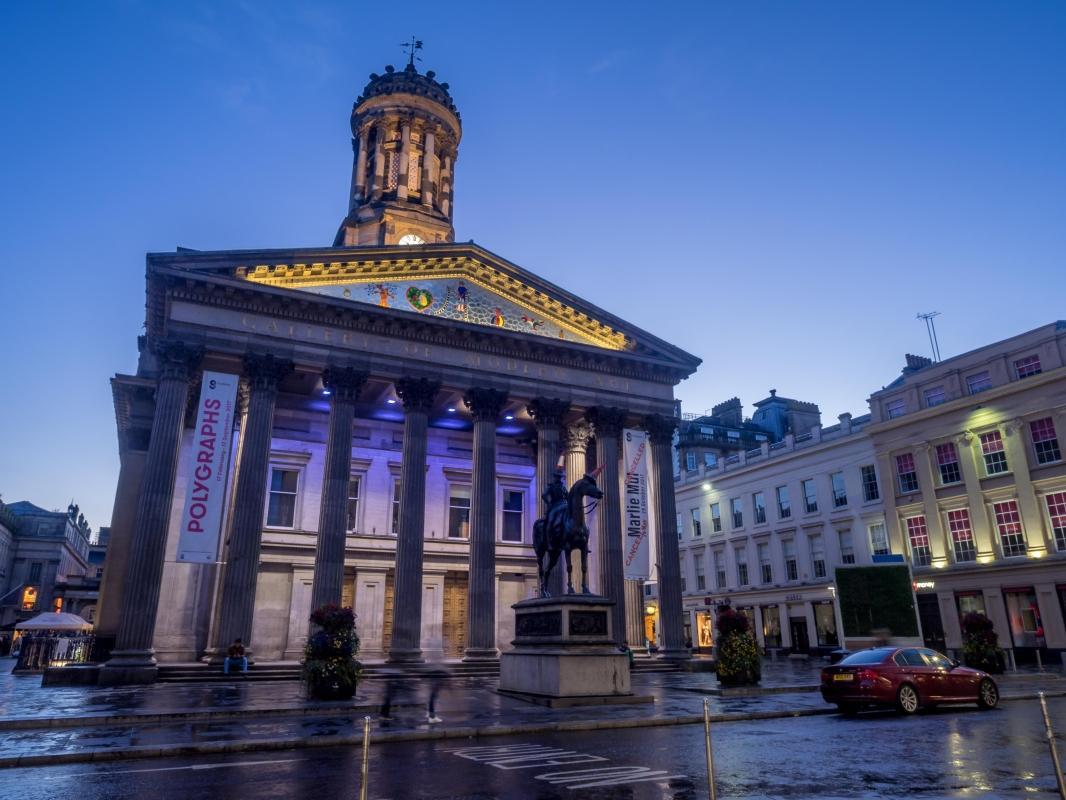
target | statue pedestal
[{"x": 564, "y": 654}]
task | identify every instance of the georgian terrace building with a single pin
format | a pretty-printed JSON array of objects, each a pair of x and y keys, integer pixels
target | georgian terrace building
[
  {"x": 766, "y": 527},
  {"x": 404, "y": 399},
  {"x": 970, "y": 459}
]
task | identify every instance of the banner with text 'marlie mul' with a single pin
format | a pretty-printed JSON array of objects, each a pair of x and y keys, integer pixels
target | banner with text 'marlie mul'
[
  {"x": 207, "y": 471},
  {"x": 635, "y": 505}
]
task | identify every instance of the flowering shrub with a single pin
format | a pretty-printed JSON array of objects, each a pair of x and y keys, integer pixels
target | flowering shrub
[
  {"x": 980, "y": 647},
  {"x": 330, "y": 669},
  {"x": 738, "y": 654}
]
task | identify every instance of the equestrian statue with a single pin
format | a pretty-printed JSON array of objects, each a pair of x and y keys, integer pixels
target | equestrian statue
[{"x": 563, "y": 528}]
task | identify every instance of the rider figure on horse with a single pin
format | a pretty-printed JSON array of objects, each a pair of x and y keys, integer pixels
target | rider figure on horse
[{"x": 556, "y": 499}]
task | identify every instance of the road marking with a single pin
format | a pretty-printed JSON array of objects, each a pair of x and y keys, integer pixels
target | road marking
[{"x": 189, "y": 767}]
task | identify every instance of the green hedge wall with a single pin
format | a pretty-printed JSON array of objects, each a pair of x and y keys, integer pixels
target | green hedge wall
[{"x": 877, "y": 597}]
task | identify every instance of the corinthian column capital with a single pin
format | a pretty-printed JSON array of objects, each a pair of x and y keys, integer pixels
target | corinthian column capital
[
  {"x": 547, "y": 412},
  {"x": 265, "y": 370},
  {"x": 177, "y": 359},
  {"x": 607, "y": 421},
  {"x": 484, "y": 403},
  {"x": 417, "y": 394},
  {"x": 344, "y": 383},
  {"x": 576, "y": 437},
  {"x": 660, "y": 428}
]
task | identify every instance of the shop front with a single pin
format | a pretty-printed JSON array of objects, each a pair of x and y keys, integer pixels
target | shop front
[
  {"x": 771, "y": 626},
  {"x": 1026, "y": 625}
]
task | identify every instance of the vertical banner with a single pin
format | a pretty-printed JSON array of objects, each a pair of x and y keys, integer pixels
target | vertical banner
[
  {"x": 206, "y": 487},
  {"x": 635, "y": 505}
]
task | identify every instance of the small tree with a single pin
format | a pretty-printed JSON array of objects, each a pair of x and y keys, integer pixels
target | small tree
[
  {"x": 330, "y": 669},
  {"x": 980, "y": 645},
  {"x": 738, "y": 654}
]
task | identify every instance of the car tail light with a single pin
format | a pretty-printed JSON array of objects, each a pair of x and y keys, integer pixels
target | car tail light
[{"x": 867, "y": 675}]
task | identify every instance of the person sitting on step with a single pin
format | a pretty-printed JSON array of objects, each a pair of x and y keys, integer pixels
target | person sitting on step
[{"x": 235, "y": 657}]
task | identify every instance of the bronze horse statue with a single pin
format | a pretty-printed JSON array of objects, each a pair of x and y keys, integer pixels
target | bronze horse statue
[{"x": 569, "y": 533}]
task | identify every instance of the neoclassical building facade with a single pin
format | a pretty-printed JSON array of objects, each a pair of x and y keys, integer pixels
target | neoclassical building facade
[{"x": 403, "y": 400}]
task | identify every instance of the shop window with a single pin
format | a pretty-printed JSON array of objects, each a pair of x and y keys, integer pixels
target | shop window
[
  {"x": 870, "y": 492},
  {"x": 947, "y": 460},
  {"x": 994, "y": 454},
  {"x": 788, "y": 549},
  {"x": 970, "y": 603},
  {"x": 825, "y": 624},
  {"x": 918, "y": 536},
  {"x": 704, "y": 629},
  {"x": 1056, "y": 509},
  {"x": 1026, "y": 628},
  {"x": 281, "y": 504},
  {"x": 810, "y": 496},
  {"x": 353, "y": 503},
  {"x": 879, "y": 539},
  {"x": 907, "y": 473},
  {"x": 847, "y": 549},
  {"x": 1024, "y": 367},
  {"x": 513, "y": 515},
  {"x": 57, "y": 605},
  {"x": 1045, "y": 442},
  {"x": 1009, "y": 525},
  {"x": 716, "y": 518},
  {"x": 962, "y": 535},
  {"x": 758, "y": 502},
  {"x": 459, "y": 511},
  {"x": 771, "y": 626},
  {"x": 784, "y": 507},
  {"x": 29, "y": 599}
]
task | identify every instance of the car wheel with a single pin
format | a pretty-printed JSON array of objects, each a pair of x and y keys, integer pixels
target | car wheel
[
  {"x": 848, "y": 709},
  {"x": 907, "y": 699},
  {"x": 987, "y": 694}
]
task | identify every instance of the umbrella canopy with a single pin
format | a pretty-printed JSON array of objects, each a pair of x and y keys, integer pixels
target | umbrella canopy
[{"x": 55, "y": 621}]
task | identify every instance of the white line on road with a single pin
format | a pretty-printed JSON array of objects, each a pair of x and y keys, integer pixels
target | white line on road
[{"x": 189, "y": 767}]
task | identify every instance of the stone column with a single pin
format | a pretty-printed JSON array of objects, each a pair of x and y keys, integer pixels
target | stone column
[
  {"x": 359, "y": 176},
  {"x": 1038, "y": 539},
  {"x": 377, "y": 184},
  {"x": 427, "y": 168},
  {"x": 417, "y": 395},
  {"x": 660, "y": 430},
  {"x": 939, "y": 548},
  {"x": 446, "y": 185},
  {"x": 548, "y": 418},
  {"x": 133, "y": 659},
  {"x": 344, "y": 385},
  {"x": 485, "y": 406},
  {"x": 634, "y": 592},
  {"x": 965, "y": 445},
  {"x": 575, "y": 443},
  {"x": 608, "y": 424},
  {"x": 405, "y": 160},
  {"x": 241, "y": 571}
]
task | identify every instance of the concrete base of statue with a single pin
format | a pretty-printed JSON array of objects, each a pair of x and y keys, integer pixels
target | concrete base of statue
[{"x": 564, "y": 654}]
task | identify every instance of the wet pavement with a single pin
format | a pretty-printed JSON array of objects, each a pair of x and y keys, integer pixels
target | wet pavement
[{"x": 944, "y": 753}]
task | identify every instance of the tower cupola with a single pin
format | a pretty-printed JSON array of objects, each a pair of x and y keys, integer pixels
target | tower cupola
[{"x": 405, "y": 136}]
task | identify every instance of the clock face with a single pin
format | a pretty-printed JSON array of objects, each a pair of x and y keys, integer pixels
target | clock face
[{"x": 411, "y": 238}]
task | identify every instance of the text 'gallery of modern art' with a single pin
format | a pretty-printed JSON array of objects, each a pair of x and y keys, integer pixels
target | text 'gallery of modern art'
[{"x": 372, "y": 424}]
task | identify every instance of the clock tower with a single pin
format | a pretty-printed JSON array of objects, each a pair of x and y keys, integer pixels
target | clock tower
[{"x": 405, "y": 135}]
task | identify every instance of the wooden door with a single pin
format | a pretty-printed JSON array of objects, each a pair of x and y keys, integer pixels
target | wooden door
[{"x": 455, "y": 604}]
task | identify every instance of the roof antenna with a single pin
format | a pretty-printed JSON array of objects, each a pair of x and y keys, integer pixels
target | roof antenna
[
  {"x": 930, "y": 328},
  {"x": 410, "y": 47}
]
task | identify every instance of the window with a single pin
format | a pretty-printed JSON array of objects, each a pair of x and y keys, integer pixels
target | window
[
  {"x": 716, "y": 518},
  {"x": 918, "y": 536},
  {"x": 710, "y": 460},
  {"x": 680, "y": 527},
  {"x": 459, "y": 511},
  {"x": 810, "y": 496},
  {"x": 784, "y": 507},
  {"x": 995, "y": 456},
  {"x": 395, "y": 507},
  {"x": 35, "y": 573},
  {"x": 697, "y": 566},
  {"x": 690, "y": 461},
  {"x": 1045, "y": 442},
  {"x": 847, "y": 549},
  {"x": 281, "y": 508},
  {"x": 353, "y": 503},
  {"x": 771, "y": 626},
  {"x": 934, "y": 396},
  {"x": 825, "y": 624},
  {"x": 840, "y": 493},
  {"x": 947, "y": 460},
  {"x": 29, "y": 599},
  {"x": 962, "y": 535},
  {"x": 513, "y": 508},
  {"x": 895, "y": 408},
  {"x": 1024, "y": 367},
  {"x": 817, "y": 555},
  {"x": 788, "y": 549},
  {"x": 978, "y": 382},
  {"x": 907, "y": 474},
  {"x": 741, "y": 555},
  {"x": 697, "y": 529},
  {"x": 1009, "y": 524},
  {"x": 719, "y": 569},
  {"x": 879, "y": 540},
  {"x": 738, "y": 512},
  {"x": 758, "y": 502},
  {"x": 870, "y": 491},
  {"x": 1056, "y": 509},
  {"x": 766, "y": 568}
]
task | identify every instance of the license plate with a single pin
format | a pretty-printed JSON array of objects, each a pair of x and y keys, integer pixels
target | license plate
[{"x": 844, "y": 676}]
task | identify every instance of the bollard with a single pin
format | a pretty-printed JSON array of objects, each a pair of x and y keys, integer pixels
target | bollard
[
  {"x": 366, "y": 758},
  {"x": 1054, "y": 752},
  {"x": 1062, "y": 658},
  {"x": 712, "y": 792},
  {"x": 1039, "y": 661},
  {"x": 1010, "y": 660}
]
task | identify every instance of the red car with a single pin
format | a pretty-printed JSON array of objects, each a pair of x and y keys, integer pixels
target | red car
[{"x": 905, "y": 677}]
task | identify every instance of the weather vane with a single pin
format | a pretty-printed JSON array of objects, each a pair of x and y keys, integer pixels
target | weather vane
[{"x": 410, "y": 47}]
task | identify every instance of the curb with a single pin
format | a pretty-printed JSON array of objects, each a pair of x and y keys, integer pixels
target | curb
[{"x": 570, "y": 726}]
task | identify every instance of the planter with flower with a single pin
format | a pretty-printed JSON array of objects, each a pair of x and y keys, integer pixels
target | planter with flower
[
  {"x": 980, "y": 644},
  {"x": 329, "y": 668},
  {"x": 738, "y": 654}
]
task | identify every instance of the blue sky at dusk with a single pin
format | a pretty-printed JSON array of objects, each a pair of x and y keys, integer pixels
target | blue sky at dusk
[{"x": 776, "y": 187}]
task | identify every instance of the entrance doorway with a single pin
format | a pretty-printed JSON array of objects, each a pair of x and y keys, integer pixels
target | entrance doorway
[
  {"x": 932, "y": 624},
  {"x": 801, "y": 642}
]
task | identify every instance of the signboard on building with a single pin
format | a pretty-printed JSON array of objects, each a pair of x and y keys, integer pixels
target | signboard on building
[
  {"x": 636, "y": 542},
  {"x": 205, "y": 493}
]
